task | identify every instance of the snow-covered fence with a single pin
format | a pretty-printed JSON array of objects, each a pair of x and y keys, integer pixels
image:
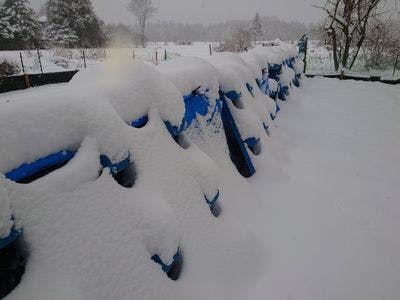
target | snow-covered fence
[
  {"x": 358, "y": 78},
  {"x": 20, "y": 82},
  {"x": 128, "y": 152}
]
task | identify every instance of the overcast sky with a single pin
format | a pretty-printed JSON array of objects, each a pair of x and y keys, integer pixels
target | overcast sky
[{"x": 206, "y": 11}]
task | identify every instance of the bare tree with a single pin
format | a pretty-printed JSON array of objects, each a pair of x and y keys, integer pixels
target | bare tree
[
  {"x": 346, "y": 25},
  {"x": 382, "y": 42},
  {"x": 239, "y": 41},
  {"x": 142, "y": 10}
]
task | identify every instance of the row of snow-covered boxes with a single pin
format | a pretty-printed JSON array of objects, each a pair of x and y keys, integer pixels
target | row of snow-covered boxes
[{"x": 229, "y": 102}]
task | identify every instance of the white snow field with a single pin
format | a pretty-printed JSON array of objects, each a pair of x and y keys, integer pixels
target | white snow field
[{"x": 318, "y": 220}]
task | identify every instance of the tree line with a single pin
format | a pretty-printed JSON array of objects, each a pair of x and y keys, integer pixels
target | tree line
[
  {"x": 64, "y": 23},
  {"x": 74, "y": 23}
]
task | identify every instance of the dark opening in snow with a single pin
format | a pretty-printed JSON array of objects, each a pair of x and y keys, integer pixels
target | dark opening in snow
[
  {"x": 254, "y": 145},
  {"x": 216, "y": 210},
  {"x": 13, "y": 259},
  {"x": 213, "y": 204},
  {"x": 176, "y": 269},
  {"x": 182, "y": 141},
  {"x": 123, "y": 172},
  {"x": 256, "y": 149},
  {"x": 235, "y": 98},
  {"x": 126, "y": 177},
  {"x": 173, "y": 270}
]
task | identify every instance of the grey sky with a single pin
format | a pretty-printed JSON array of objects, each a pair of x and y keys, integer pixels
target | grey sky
[{"x": 206, "y": 11}]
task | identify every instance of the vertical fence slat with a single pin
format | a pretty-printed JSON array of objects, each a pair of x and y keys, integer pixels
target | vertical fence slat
[
  {"x": 305, "y": 55},
  {"x": 26, "y": 78},
  {"x": 40, "y": 61},
  {"x": 84, "y": 58},
  {"x": 395, "y": 65}
]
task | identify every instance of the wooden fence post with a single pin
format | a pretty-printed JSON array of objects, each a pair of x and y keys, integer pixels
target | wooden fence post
[
  {"x": 22, "y": 62},
  {"x": 40, "y": 61},
  {"x": 305, "y": 55},
  {"x": 165, "y": 54},
  {"x": 27, "y": 83},
  {"x": 84, "y": 58},
  {"x": 395, "y": 65},
  {"x": 210, "y": 49}
]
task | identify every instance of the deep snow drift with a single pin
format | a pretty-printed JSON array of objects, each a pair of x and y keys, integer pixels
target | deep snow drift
[{"x": 317, "y": 221}]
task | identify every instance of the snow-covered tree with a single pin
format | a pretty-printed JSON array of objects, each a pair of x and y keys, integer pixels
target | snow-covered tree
[
  {"x": 19, "y": 25},
  {"x": 256, "y": 26},
  {"x": 142, "y": 10},
  {"x": 61, "y": 36},
  {"x": 73, "y": 23},
  {"x": 5, "y": 28}
]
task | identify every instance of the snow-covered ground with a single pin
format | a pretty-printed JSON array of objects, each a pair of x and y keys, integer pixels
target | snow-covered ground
[
  {"x": 318, "y": 220},
  {"x": 327, "y": 206},
  {"x": 319, "y": 58}
]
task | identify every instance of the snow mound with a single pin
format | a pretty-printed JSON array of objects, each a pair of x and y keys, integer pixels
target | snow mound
[
  {"x": 91, "y": 237},
  {"x": 133, "y": 88},
  {"x": 253, "y": 108}
]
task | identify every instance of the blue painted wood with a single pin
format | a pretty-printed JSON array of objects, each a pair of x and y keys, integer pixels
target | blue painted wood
[
  {"x": 235, "y": 141},
  {"x": 13, "y": 236},
  {"x": 195, "y": 104},
  {"x": 166, "y": 268},
  {"x": 141, "y": 122},
  {"x": 213, "y": 202},
  {"x": 115, "y": 168},
  {"x": 27, "y": 170},
  {"x": 250, "y": 89}
]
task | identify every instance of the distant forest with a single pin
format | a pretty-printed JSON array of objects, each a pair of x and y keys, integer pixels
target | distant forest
[
  {"x": 58, "y": 23},
  {"x": 171, "y": 31}
]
